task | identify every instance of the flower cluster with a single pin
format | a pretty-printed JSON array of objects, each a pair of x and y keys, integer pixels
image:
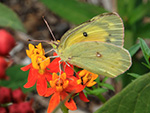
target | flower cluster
[
  {"x": 17, "y": 97},
  {"x": 62, "y": 84}
]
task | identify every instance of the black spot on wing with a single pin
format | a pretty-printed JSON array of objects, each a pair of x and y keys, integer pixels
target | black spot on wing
[{"x": 85, "y": 34}]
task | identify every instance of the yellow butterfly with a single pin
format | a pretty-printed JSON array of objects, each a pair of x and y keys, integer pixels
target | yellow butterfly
[{"x": 97, "y": 46}]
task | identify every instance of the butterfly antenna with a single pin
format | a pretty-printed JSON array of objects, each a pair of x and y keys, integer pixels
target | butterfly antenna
[
  {"x": 48, "y": 26},
  {"x": 39, "y": 41}
]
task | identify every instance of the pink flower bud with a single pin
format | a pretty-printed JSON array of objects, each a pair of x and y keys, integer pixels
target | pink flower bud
[
  {"x": 5, "y": 95},
  {"x": 7, "y": 42},
  {"x": 3, "y": 110},
  {"x": 18, "y": 95},
  {"x": 3, "y": 66}
]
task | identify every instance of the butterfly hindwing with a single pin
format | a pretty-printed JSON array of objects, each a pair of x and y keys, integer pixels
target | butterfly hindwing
[{"x": 98, "y": 57}]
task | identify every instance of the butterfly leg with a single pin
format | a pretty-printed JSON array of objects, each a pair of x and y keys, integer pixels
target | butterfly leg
[
  {"x": 50, "y": 51},
  {"x": 72, "y": 68},
  {"x": 59, "y": 67}
]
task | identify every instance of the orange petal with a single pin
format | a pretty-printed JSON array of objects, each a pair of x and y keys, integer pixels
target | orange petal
[
  {"x": 63, "y": 76},
  {"x": 82, "y": 73},
  {"x": 31, "y": 81},
  {"x": 52, "y": 84},
  {"x": 83, "y": 97},
  {"x": 54, "y": 76},
  {"x": 90, "y": 84},
  {"x": 28, "y": 53},
  {"x": 95, "y": 76},
  {"x": 25, "y": 68},
  {"x": 53, "y": 103},
  {"x": 41, "y": 86},
  {"x": 70, "y": 104},
  {"x": 65, "y": 84},
  {"x": 31, "y": 47},
  {"x": 59, "y": 88},
  {"x": 49, "y": 92}
]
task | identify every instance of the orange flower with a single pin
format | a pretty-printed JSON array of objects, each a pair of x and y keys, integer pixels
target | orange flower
[
  {"x": 38, "y": 72},
  {"x": 59, "y": 83},
  {"x": 35, "y": 77},
  {"x": 87, "y": 78},
  {"x": 61, "y": 87}
]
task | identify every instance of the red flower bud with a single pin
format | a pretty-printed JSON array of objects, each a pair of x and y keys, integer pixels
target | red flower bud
[
  {"x": 25, "y": 107},
  {"x": 3, "y": 66},
  {"x": 14, "y": 108},
  {"x": 18, "y": 95},
  {"x": 7, "y": 42},
  {"x": 3, "y": 110},
  {"x": 5, "y": 95}
]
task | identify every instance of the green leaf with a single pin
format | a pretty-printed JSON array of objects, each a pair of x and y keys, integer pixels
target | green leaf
[
  {"x": 134, "y": 49},
  {"x": 17, "y": 78},
  {"x": 135, "y": 98},
  {"x": 109, "y": 86},
  {"x": 125, "y": 6},
  {"x": 97, "y": 91},
  {"x": 143, "y": 31},
  {"x": 134, "y": 75},
  {"x": 145, "y": 50},
  {"x": 128, "y": 40},
  {"x": 73, "y": 10},
  {"x": 9, "y": 18},
  {"x": 138, "y": 13},
  {"x": 146, "y": 65}
]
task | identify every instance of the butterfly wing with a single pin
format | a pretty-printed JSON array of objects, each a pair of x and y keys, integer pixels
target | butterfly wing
[
  {"x": 107, "y": 27},
  {"x": 98, "y": 57}
]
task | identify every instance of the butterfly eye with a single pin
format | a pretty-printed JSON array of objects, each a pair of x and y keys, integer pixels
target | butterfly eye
[{"x": 85, "y": 34}]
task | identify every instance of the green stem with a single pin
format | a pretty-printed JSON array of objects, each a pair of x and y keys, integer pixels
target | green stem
[{"x": 64, "y": 109}]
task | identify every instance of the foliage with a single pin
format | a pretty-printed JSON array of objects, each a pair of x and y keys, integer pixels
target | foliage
[
  {"x": 77, "y": 12},
  {"x": 132, "y": 99},
  {"x": 17, "y": 78},
  {"x": 8, "y": 18}
]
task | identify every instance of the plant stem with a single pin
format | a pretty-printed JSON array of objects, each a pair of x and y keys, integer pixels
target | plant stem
[{"x": 64, "y": 109}]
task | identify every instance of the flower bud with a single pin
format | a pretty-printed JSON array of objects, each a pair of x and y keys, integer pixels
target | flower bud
[
  {"x": 18, "y": 95},
  {"x": 3, "y": 66},
  {"x": 3, "y": 110},
  {"x": 7, "y": 42},
  {"x": 5, "y": 95},
  {"x": 14, "y": 108},
  {"x": 25, "y": 107}
]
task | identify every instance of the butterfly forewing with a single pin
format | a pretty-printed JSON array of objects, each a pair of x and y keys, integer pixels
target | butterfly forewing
[
  {"x": 107, "y": 27},
  {"x": 98, "y": 57}
]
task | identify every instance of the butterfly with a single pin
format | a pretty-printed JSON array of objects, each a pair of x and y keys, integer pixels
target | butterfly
[{"x": 96, "y": 45}]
